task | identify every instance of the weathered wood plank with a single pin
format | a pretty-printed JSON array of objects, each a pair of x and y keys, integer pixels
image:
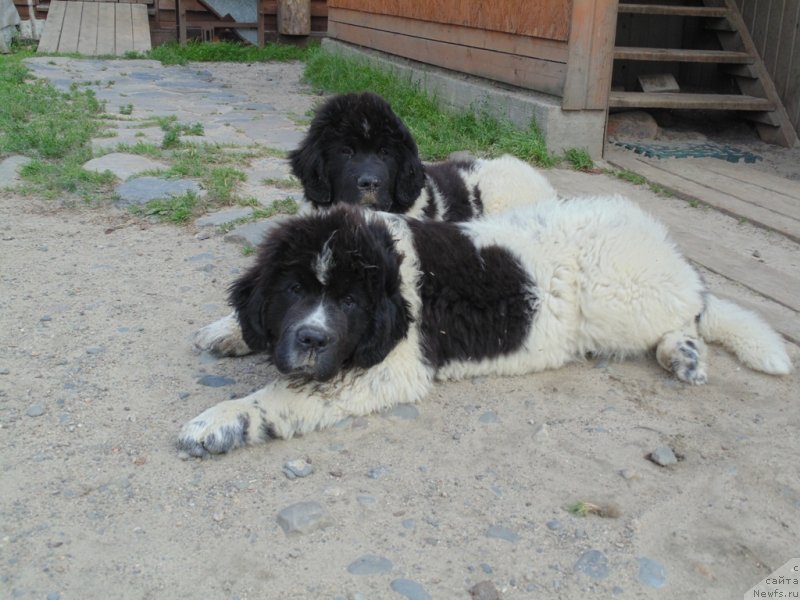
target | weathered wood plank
[
  {"x": 107, "y": 28},
  {"x": 545, "y": 76},
  {"x": 682, "y": 55},
  {"x": 294, "y": 17},
  {"x": 498, "y": 41},
  {"x": 52, "y": 27},
  {"x": 141, "y": 28},
  {"x": 550, "y": 20},
  {"x": 87, "y": 41},
  {"x": 590, "y": 60},
  {"x": 70, "y": 30},
  {"x": 124, "y": 26},
  {"x": 665, "y": 9},
  {"x": 674, "y": 176},
  {"x": 689, "y": 101}
]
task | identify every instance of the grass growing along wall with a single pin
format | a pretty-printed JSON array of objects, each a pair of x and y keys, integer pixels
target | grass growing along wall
[{"x": 438, "y": 131}]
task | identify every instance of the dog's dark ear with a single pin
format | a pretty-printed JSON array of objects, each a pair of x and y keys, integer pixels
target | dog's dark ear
[
  {"x": 249, "y": 295},
  {"x": 389, "y": 325},
  {"x": 410, "y": 172},
  {"x": 308, "y": 165}
]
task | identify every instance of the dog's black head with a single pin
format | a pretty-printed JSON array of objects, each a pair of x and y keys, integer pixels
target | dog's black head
[
  {"x": 324, "y": 295},
  {"x": 357, "y": 151}
]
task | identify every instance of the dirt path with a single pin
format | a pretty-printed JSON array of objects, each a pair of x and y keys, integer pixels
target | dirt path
[{"x": 97, "y": 375}]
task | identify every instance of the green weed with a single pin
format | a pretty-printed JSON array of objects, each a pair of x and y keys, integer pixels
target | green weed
[{"x": 579, "y": 159}]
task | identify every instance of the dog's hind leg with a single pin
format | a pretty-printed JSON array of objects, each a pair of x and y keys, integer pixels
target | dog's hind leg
[
  {"x": 684, "y": 353},
  {"x": 222, "y": 337}
]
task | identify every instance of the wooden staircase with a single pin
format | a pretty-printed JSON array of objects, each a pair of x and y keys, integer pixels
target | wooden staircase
[{"x": 738, "y": 57}]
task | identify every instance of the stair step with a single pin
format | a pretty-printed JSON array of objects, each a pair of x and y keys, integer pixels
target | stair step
[
  {"x": 681, "y": 11},
  {"x": 681, "y": 55},
  {"x": 689, "y": 101},
  {"x": 720, "y": 26}
]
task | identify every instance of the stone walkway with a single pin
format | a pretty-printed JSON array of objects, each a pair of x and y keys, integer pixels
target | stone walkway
[{"x": 267, "y": 109}]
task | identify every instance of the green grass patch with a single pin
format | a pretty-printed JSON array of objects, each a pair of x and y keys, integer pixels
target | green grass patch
[
  {"x": 579, "y": 159},
  {"x": 174, "y": 54},
  {"x": 178, "y": 209},
  {"x": 438, "y": 131},
  {"x": 628, "y": 176}
]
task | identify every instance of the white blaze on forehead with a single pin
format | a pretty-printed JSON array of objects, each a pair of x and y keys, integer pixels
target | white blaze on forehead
[
  {"x": 318, "y": 318},
  {"x": 323, "y": 262},
  {"x": 365, "y": 125}
]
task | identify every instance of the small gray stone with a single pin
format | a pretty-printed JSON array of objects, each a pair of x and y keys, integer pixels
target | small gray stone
[
  {"x": 484, "y": 590},
  {"x": 5, "y": 371},
  {"x": 369, "y": 564},
  {"x": 53, "y": 596},
  {"x": 408, "y": 412},
  {"x": 35, "y": 410},
  {"x": 224, "y": 217},
  {"x": 377, "y": 472},
  {"x": 297, "y": 468},
  {"x": 142, "y": 190},
  {"x": 554, "y": 525},
  {"x": 410, "y": 589},
  {"x": 409, "y": 523},
  {"x": 215, "y": 381},
  {"x": 593, "y": 563},
  {"x": 95, "y": 350},
  {"x": 663, "y": 456},
  {"x": 302, "y": 517},
  {"x": 488, "y": 417},
  {"x": 10, "y": 168},
  {"x": 251, "y": 234},
  {"x": 365, "y": 499},
  {"x": 123, "y": 165},
  {"x": 503, "y": 533},
  {"x": 652, "y": 573},
  {"x": 183, "y": 395},
  {"x": 486, "y": 568},
  {"x": 45, "y": 318}
]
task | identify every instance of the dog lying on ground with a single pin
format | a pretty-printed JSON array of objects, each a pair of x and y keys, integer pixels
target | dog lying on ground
[
  {"x": 362, "y": 310},
  {"x": 358, "y": 151}
]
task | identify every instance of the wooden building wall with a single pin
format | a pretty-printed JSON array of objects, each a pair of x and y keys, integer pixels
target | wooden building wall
[
  {"x": 775, "y": 28},
  {"x": 559, "y": 47}
]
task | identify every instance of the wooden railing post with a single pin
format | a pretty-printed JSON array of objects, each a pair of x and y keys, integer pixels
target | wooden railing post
[{"x": 294, "y": 17}]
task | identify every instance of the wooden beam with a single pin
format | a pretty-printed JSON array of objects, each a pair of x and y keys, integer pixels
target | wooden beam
[
  {"x": 294, "y": 17},
  {"x": 688, "y": 101},
  {"x": 590, "y": 54},
  {"x": 87, "y": 40},
  {"x": 682, "y": 55},
  {"x": 141, "y": 28},
  {"x": 107, "y": 31},
  {"x": 681, "y": 11},
  {"x": 71, "y": 28},
  {"x": 52, "y": 27}
]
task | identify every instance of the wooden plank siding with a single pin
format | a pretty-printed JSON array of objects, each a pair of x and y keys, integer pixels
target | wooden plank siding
[
  {"x": 545, "y": 18},
  {"x": 775, "y": 28},
  {"x": 558, "y": 47},
  {"x": 523, "y": 61}
]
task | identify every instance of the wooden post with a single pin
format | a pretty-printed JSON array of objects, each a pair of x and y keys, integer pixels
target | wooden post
[{"x": 294, "y": 17}]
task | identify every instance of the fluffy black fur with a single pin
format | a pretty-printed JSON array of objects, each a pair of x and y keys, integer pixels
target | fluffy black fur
[
  {"x": 358, "y": 151},
  {"x": 365, "y": 312},
  {"x": 466, "y": 293}
]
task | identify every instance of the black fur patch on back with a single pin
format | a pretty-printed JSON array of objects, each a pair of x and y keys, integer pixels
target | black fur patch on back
[
  {"x": 448, "y": 180},
  {"x": 477, "y": 304}
]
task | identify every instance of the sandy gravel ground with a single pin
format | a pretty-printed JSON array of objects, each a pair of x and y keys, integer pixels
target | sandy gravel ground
[{"x": 97, "y": 374}]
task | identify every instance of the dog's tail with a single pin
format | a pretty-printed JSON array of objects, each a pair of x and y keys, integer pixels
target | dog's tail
[{"x": 745, "y": 334}]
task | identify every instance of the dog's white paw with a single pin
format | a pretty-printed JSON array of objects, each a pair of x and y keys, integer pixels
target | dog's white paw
[
  {"x": 222, "y": 338},
  {"x": 219, "y": 429}
]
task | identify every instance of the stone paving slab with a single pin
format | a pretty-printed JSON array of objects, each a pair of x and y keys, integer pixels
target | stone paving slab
[
  {"x": 9, "y": 170},
  {"x": 123, "y": 165}
]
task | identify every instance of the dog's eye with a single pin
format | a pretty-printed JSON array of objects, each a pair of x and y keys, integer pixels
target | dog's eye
[
  {"x": 295, "y": 288},
  {"x": 347, "y": 151},
  {"x": 349, "y": 302},
  {"x": 384, "y": 151}
]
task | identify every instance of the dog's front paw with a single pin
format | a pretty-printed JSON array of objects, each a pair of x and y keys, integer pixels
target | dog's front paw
[
  {"x": 222, "y": 338},
  {"x": 219, "y": 429}
]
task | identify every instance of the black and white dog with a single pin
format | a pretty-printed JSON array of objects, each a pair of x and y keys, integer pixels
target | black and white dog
[
  {"x": 361, "y": 310},
  {"x": 358, "y": 151}
]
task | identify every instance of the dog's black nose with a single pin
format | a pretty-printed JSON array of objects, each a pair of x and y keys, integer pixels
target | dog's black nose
[
  {"x": 313, "y": 338},
  {"x": 368, "y": 182}
]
